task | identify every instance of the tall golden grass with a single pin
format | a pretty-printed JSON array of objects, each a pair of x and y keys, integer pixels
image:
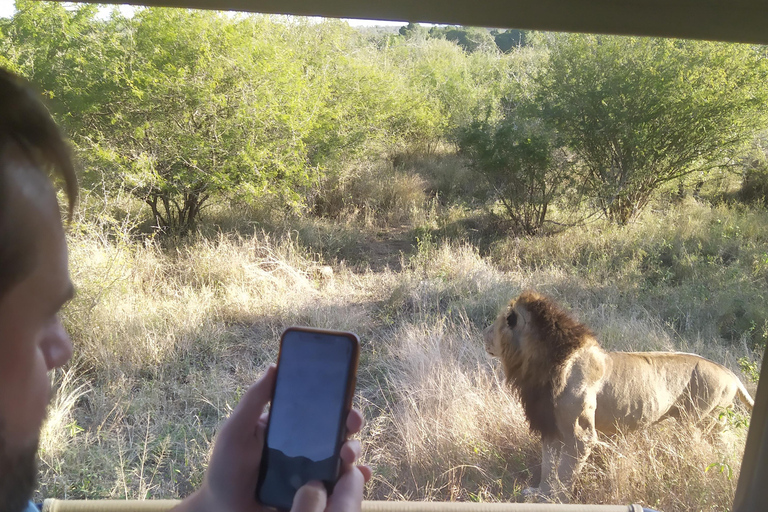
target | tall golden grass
[{"x": 168, "y": 336}]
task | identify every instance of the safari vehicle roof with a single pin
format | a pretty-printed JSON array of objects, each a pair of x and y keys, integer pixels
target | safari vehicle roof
[{"x": 744, "y": 21}]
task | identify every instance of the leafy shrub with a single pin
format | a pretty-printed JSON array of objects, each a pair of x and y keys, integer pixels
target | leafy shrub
[
  {"x": 640, "y": 112},
  {"x": 520, "y": 162},
  {"x": 754, "y": 184}
]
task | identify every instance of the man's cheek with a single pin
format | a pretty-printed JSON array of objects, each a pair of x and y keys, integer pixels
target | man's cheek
[{"x": 24, "y": 404}]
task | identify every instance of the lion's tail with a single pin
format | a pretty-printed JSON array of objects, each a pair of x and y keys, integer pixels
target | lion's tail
[{"x": 744, "y": 395}]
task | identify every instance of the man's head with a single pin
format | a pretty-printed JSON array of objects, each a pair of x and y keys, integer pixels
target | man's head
[{"x": 34, "y": 279}]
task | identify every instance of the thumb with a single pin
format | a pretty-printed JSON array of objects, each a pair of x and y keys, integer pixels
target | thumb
[
  {"x": 310, "y": 498},
  {"x": 247, "y": 413}
]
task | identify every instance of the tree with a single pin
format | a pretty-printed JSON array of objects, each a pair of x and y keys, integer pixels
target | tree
[
  {"x": 199, "y": 104},
  {"x": 180, "y": 107},
  {"x": 470, "y": 39},
  {"x": 509, "y": 39},
  {"x": 55, "y": 47},
  {"x": 640, "y": 112},
  {"x": 456, "y": 87},
  {"x": 413, "y": 31},
  {"x": 177, "y": 126},
  {"x": 522, "y": 164},
  {"x": 146, "y": 100}
]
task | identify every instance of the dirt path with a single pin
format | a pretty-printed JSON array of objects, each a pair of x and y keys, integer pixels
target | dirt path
[{"x": 387, "y": 248}]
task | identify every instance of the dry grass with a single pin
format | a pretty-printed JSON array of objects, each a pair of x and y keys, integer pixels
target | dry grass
[
  {"x": 668, "y": 467},
  {"x": 371, "y": 193},
  {"x": 168, "y": 338}
]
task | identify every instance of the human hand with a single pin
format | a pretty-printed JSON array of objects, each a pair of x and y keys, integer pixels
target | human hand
[
  {"x": 230, "y": 481},
  {"x": 348, "y": 492}
]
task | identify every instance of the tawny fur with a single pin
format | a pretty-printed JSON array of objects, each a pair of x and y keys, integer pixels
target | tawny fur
[{"x": 570, "y": 388}]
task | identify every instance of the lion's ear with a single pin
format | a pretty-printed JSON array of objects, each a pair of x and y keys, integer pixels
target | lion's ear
[{"x": 512, "y": 319}]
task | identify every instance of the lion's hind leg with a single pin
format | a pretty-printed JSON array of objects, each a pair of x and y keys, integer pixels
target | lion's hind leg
[{"x": 703, "y": 406}]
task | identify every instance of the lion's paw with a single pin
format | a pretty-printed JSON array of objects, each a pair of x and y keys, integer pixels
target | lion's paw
[
  {"x": 533, "y": 493},
  {"x": 539, "y": 495}
]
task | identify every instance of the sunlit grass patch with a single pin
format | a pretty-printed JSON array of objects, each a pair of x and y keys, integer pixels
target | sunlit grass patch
[{"x": 169, "y": 335}]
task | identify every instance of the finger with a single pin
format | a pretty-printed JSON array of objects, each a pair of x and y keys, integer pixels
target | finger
[
  {"x": 261, "y": 428},
  {"x": 311, "y": 497},
  {"x": 263, "y": 420},
  {"x": 350, "y": 451},
  {"x": 348, "y": 492},
  {"x": 354, "y": 421},
  {"x": 366, "y": 471},
  {"x": 248, "y": 412}
]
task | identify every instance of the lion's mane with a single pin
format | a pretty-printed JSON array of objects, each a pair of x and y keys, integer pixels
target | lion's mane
[{"x": 536, "y": 370}]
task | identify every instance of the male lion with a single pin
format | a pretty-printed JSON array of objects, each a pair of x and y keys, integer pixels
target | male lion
[{"x": 570, "y": 388}]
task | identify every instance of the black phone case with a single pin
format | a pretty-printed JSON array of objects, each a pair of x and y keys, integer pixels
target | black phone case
[{"x": 350, "y": 390}]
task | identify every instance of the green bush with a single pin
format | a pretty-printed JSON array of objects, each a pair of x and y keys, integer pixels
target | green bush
[
  {"x": 754, "y": 184},
  {"x": 640, "y": 112},
  {"x": 522, "y": 164}
]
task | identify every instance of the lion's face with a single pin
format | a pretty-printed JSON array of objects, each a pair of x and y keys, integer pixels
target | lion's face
[
  {"x": 492, "y": 342},
  {"x": 503, "y": 337}
]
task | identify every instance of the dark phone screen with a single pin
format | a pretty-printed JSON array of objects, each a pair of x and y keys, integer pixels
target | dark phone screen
[{"x": 305, "y": 424}]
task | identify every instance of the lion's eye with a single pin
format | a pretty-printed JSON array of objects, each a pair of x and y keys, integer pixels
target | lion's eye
[{"x": 512, "y": 319}]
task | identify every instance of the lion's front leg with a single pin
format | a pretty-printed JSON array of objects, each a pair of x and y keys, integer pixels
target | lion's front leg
[
  {"x": 550, "y": 455},
  {"x": 579, "y": 437}
]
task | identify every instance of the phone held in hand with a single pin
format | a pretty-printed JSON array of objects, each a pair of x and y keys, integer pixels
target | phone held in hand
[{"x": 315, "y": 382}]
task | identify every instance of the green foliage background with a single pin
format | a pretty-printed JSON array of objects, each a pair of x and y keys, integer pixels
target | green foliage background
[
  {"x": 178, "y": 106},
  {"x": 184, "y": 108},
  {"x": 639, "y": 112}
]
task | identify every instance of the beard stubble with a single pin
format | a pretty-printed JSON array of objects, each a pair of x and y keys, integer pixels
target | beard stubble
[{"x": 18, "y": 473}]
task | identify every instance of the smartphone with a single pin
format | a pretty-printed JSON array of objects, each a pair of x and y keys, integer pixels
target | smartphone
[{"x": 315, "y": 382}]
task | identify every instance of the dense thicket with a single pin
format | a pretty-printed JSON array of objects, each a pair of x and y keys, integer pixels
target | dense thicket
[
  {"x": 640, "y": 112},
  {"x": 179, "y": 107},
  {"x": 619, "y": 117}
]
